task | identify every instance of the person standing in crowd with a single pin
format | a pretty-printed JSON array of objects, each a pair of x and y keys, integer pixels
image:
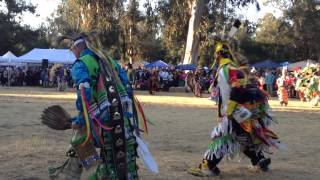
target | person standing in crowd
[
  {"x": 165, "y": 80},
  {"x": 137, "y": 78},
  {"x": 161, "y": 71},
  {"x": 291, "y": 81},
  {"x": 170, "y": 78},
  {"x": 145, "y": 79},
  {"x": 4, "y": 77},
  {"x": 69, "y": 78},
  {"x": 282, "y": 89},
  {"x": 269, "y": 81},
  {"x": 182, "y": 78},
  {"x": 1, "y": 72},
  {"x": 197, "y": 82},
  {"x": 44, "y": 78},
  {"x": 262, "y": 82},
  {"x": 175, "y": 78},
  {"x": 300, "y": 84},
  {"x": 153, "y": 82},
  {"x": 62, "y": 78},
  {"x": 20, "y": 77}
]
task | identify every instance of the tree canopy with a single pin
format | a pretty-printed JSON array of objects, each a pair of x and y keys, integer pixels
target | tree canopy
[
  {"x": 15, "y": 37},
  {"x": 159, "y": 28},
  {"x": 293, "y": 35}
]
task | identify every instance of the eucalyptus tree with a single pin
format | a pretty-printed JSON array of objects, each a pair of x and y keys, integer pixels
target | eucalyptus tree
[
  {"x": 215, "y": 9},
  {"x": 14, "y": 36},
  {"x": 103, "y": 17},
  {"x": 295, "y": 34}
]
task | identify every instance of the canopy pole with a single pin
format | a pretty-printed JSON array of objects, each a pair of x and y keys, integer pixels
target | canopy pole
[{"x": 9, "y": 74}]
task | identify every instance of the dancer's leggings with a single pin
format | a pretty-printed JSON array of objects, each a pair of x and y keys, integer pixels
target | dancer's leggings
[{"x": 250, "y": 153}]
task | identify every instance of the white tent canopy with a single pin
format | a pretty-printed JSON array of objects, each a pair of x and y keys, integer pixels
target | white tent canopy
[
  {"x": 63, "y": 56},
  {"x": 11, "y": 64},
  {"x": 7, "y": 57}
]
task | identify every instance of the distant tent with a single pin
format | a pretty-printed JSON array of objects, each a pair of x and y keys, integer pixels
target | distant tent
[
  {"x": 266, "y": 64},
  {"x": 300, "y": 64},
  {"x": 284, "y": 64},
  {"x": 186, "y": 67},
  {"x": 11, "y": 64},
  {"x": 136, "y": 65},
  {"x": 157, "y": 64},
  {"x": 62, "y": 56},
  {"x": 8, "y": 57},
  {"x": 144, "y": 62}
]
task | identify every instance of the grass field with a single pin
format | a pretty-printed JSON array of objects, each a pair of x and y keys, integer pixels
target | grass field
[{"x": 177, "y": 141}]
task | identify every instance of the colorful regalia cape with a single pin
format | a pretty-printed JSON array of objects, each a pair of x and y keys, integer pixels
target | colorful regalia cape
[
  {"x": 244, "y": 113},
  {"x": 308, "y": 84},
  {"x": 110, "y": 119}
]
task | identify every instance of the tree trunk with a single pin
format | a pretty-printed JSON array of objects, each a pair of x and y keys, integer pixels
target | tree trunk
[
  {"x": 130, "y": 41},
  {"x": 192, "y": 46}
]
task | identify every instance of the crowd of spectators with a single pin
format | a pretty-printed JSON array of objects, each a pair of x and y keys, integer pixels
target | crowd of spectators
[
  {"x": 140, "y": 78},
  {"x": 163, "y": 78},
  {"x": 268, "y": 82},
  {"x": 17, "y": 76},
  {"x": 144, "y": 79},
  {"x": 35, "y": 76}
]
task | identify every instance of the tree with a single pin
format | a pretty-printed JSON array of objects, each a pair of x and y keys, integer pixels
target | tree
[
  {"x": 103, "y": 17},
  {"x": 192, "y": 45},
  {"x": 306, "y": 28},
  {"x": 275, "y": 37},
  {"x": 173, "y": 21},
  {"x": 124, "y": 31},
  {"x": 303, "y": 18},
  {"x": 129, "y": 24},
  {"x": 196, "y": 11},
  {"x": 149, "y": 44},
  {"x": 15, "y": 37},
  {"x": 272, "y": 30}
]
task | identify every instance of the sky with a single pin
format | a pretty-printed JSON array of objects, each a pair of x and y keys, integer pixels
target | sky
[
  {"x": 44, "y": 10},
  {"x": 46, "y": 7}
]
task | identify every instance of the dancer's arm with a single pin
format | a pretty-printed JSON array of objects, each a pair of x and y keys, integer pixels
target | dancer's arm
[{"x": 81, "y": 78}]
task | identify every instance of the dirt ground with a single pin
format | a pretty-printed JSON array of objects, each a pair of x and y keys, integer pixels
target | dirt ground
[{"x": 181, "y": 135}]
